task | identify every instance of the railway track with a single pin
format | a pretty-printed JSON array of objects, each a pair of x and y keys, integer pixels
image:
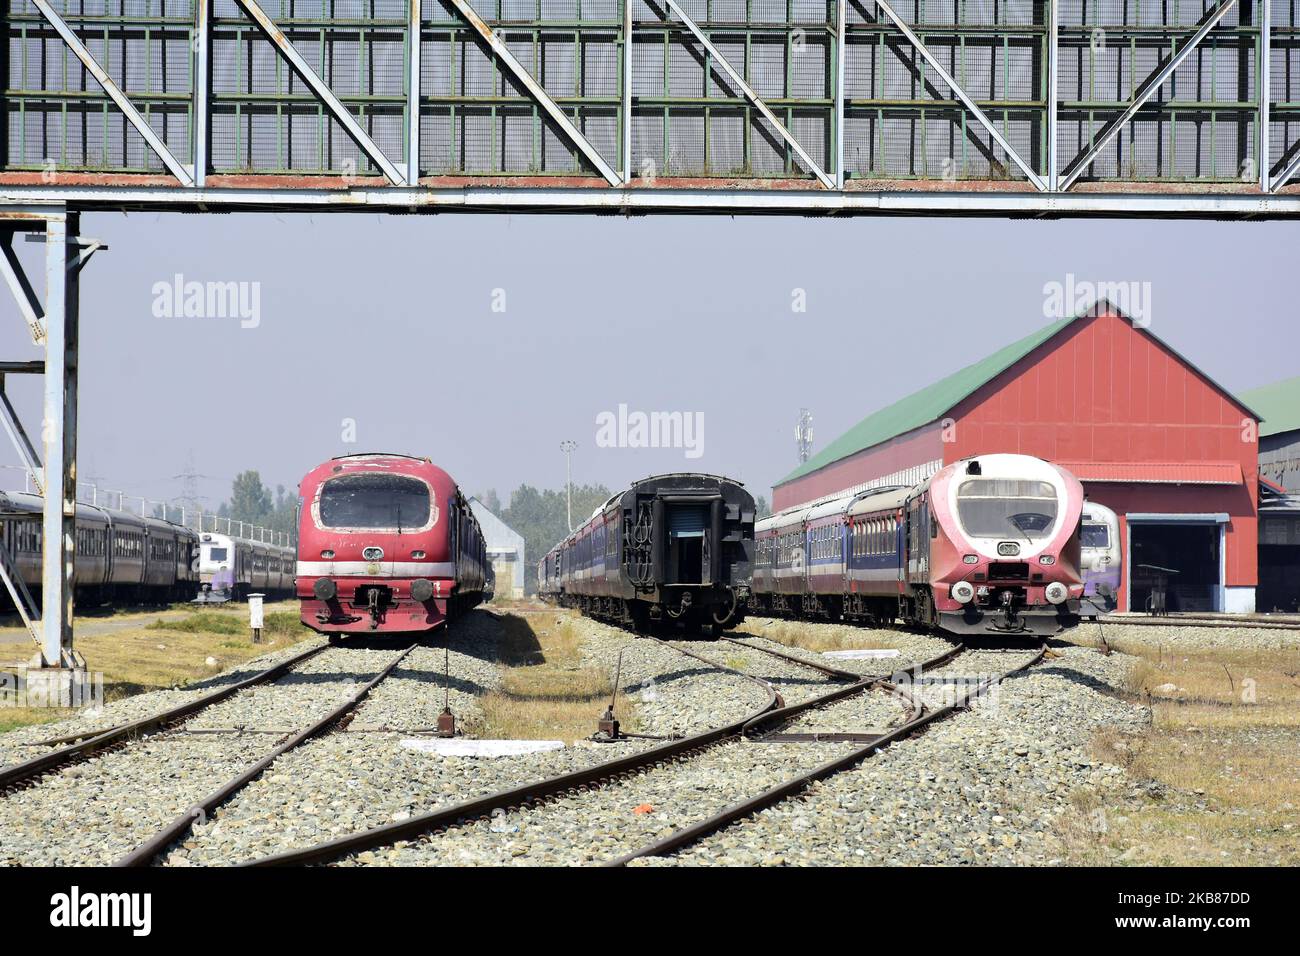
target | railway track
[
  {"x": 138, "y": 792},
  {"x": 148, "y": 851},
  {"x": 83, "y": 746},
  {"x": 534, "y": 795},
  {"x": 924, "y": 716}
]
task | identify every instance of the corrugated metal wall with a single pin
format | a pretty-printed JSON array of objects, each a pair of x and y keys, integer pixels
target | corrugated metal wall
[{"x": 900, "y": 120}]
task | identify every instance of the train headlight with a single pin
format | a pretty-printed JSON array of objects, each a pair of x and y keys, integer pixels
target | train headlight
[
  {"x": 327, "y": 554},
  {"x": 1008, "y": 549},
  {"x": 1056, "y": 592},
  {"x": 417, "y": 555},
  {"x": 1046, "y": 559},
  {"x": 421, "y": 589},
  {"x": 963, "y": 591},
  {"x": 970, "y": 559},
  {"x": 324, "y": 589}
]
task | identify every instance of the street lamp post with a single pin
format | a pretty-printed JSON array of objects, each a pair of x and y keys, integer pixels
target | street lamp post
[{"x": 567, "y": 447}]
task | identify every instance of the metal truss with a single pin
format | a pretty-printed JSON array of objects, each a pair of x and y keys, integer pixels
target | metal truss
[
  {"x": 961, "y": 94},
  {"x": 962, "y": 86},
  {"x": 536, "y": 91},
  {"x": 340, "y": 112},
  {"x": 1144, "y": 93},
  {"x": 1287, "y": 174},
  {"x": 721, "y": 61},
  {"x": 114, "y": 92}
]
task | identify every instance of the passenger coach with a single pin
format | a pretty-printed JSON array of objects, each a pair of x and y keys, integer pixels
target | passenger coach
[
  {"x": 121, "y": 557},
  {"x": 238, "y": 567},
  {"x": 671, "y": 549}
]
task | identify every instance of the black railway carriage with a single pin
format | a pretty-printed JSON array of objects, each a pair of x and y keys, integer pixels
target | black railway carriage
[{"x": 676, "y": 548}]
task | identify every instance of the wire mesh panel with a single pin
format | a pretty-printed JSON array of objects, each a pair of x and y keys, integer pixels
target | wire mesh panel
[
  {"x": 902, "y": 120},
  {"x": 60, "y": 118},
  {"x": 477, "y": 117},
  {"x": 1201, "y": 124},
  {"x": 265, "y": 117},
  {"x": 1284, "y": 85},
  {"x": 691, "y": 119}
]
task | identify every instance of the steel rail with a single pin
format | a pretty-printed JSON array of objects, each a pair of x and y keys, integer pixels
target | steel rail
[
  {"x": 798, "y": 784},
  {"x": 529, "y": 793},
  {"x": 145, "y": 853},
  {"x": 534, "y": 792},
  {"x": 96, "y": 742},
  {"x": 794, "y": 710},
  {"x": 832, "y": 672}
]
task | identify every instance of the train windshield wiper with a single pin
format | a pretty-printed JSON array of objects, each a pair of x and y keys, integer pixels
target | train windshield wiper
[{"x": 1011, "y": 519}]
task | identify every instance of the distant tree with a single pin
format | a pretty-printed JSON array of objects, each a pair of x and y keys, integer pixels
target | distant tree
[
  {"x": 250, "y": 500},
  {"x": 541, "y": 516},
  {"x": 254, "y": 504},
  {"x": 761, "y": 508},
  {"x": 285, "y": 512}
]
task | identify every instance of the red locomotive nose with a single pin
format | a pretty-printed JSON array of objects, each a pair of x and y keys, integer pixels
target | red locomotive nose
[{"x": 386, "y": 544}]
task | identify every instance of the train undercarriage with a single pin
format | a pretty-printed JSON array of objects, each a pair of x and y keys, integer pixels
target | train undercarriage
[
  {"x": 711, "y": 610},
  {"x": 1006, "y": 613}
]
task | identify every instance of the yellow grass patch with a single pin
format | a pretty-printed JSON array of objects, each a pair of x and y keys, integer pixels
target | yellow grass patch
[
  {"x": 1222, "y": 759},
  {"x": 150, "y": 652},
  {"x": 813, "y": 636},
  {"x": 547, "y": 691}
]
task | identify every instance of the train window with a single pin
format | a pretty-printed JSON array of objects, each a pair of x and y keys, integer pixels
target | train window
[
  {"x": 996, "y": 507},
  {"x": 1095, "y": 536},
  {"x": 374, "y": 501}
]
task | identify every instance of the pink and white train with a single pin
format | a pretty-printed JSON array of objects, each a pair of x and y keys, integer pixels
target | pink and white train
[{"x": 987, "y": 544}]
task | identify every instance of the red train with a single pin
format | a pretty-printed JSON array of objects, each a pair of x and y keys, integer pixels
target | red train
[{"x": 386, "y": 543}]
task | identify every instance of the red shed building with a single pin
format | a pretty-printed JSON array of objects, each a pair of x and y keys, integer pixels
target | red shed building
[{"x": 1174, "y": 454}]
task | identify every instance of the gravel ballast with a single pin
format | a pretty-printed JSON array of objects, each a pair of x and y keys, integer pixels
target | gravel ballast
[
  {"x": 17, "y": 745},
  {"x": 357, "y": 780},
  {"x": 984, "y": 786}
]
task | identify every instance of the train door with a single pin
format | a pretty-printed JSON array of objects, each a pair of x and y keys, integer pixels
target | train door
[
  {"x": 918, "y": 539},
  {"x": 687, "y": 543}
]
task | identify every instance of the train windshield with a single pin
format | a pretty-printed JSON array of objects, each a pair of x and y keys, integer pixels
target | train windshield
[
  {"x": 374, "y": 501},
  {"x": 217, "y": 554},
  {"x": 1005, "y": 507},
  {"x": 1094, "y": 536}
]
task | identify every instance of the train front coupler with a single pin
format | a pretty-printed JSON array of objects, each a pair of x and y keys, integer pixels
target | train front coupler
[{"x": 1007, "y": 620}]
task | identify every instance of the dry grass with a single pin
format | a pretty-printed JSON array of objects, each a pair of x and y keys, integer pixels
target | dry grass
[
  {"x": 816, "y": 636},
  {"x": 546, "y": 691},
  {"x": 149, "y": 653},
  {"x": 1220, "y": 766}
]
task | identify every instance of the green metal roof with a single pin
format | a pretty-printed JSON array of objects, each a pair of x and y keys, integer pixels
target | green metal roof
[
  {"x": 928, "y": 405},
  {"x": 1278, "y": 404}
]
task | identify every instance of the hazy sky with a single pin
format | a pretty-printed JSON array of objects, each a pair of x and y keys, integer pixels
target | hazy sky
[{"x": 390, "y": 322}]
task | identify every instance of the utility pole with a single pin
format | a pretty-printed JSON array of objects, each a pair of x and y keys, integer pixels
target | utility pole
[
  {"x": 567, "y": 447},
  {"x": 803, "y": 435},
  {"x": 189, "y": 479}
]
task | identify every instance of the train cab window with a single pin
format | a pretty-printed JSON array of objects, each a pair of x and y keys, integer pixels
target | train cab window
[
  {"x": 997, "y": 507},
  {"x": 375, "y": 501},
  {"x": 1094, "y": 536}
]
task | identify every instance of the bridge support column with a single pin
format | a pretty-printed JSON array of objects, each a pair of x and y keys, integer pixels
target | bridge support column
[
  {"x": 57, "y": 673},
  {"x": 59, "y": 436}
]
